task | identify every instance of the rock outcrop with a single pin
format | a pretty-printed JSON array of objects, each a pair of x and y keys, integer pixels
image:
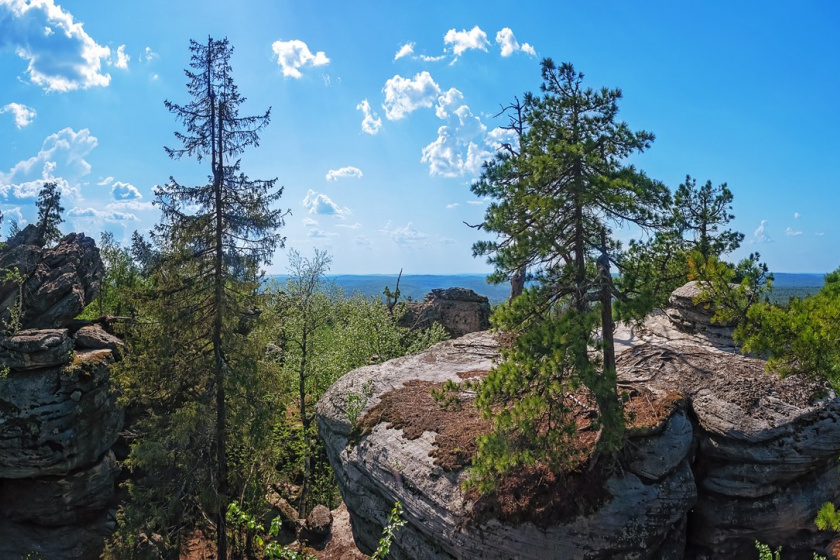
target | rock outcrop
[
  {"x": 689, "y": 312},
  {"x": 58, "y": 414},
  {"x": 51, "y": 285},
  {"x": 746, "y": 456},
  {"x": 459, "y": 310}
]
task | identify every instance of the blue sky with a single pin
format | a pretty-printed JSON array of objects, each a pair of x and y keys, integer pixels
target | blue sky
[{"x": 383, "y": 111}]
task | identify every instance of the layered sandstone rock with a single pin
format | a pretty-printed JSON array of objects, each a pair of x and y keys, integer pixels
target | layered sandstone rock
[
  {"x": 651, "y": 497},
  {"x": 58, "y": 413},
  {"x": 458, "y": 310},
  {"x": 749, "y": 457}
]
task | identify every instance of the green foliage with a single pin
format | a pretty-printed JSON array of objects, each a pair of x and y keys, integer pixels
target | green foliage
[
  {"x": 692, "y": 233},
  {"x": 701, "y": 212},
  {"x": 800, "y": 337},
  {"x": 765, "y": 553},
  {"x": 12, "y": 275},
  {"x": 49, "y": 213},
  {"x": 731, "y": 290},
  {"x": 193, "y": 373},
  {"x": 356, "y": 402},
  {"x": 395, "y": 521},
  {"x": 251, "y": 538},
  {"x": 556, "y": 193},
  {"x": 121, "y": 284},
  {"x": 313, "y": 334},
  {"x": 828, "y": 519}
]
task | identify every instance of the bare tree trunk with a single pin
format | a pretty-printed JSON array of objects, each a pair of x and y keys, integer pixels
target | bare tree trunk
[
  {"x": 221, "y": 462},
  {"x": 517, "y": 284}
]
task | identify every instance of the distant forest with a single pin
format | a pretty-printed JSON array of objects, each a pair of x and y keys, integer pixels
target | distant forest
[{"x": 416, "y": 286}]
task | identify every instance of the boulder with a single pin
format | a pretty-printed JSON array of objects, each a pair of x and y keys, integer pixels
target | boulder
[
  {"x": 79, "y": 541},
  {"x": 33, "y": 349},
  {"x": 96, "y": 338},
  {"x": 58, "y": 419},
  {"x": 643, "y": 515},
  {"x": 459, "y": 310},
  {"x": 689, "y": 311},
  {"x": 744, "y": 455},
  {"x": 47, "y": 287},
  {"x": 318, "y": 524},
  {"x": 766, "y": 448},
  {"x": 61, "y": 500}
]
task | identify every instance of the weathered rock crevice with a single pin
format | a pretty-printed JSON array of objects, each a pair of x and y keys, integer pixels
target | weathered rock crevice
[
  {"x": 748, "y": 456},
  {"x": 58, "y": 413}
]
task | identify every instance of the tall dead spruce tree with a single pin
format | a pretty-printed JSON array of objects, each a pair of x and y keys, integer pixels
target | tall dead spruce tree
[{"x": 216, "y": 236}]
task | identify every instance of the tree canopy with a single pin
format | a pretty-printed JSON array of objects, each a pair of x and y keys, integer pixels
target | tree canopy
[{"x": 556, "y": 199}]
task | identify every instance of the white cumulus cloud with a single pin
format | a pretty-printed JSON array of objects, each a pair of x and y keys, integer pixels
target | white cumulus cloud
[
  {"x": 343, "y": 172},
  {"x": 404, "y": 96},
  {"x": 122, "y": 58},
  {"x": 60, "y": 55},
  {"x": 23, "y": 114},
  {"x": 61, "y": 159},
  {"x": 792, "y": 232},
  {"x": 319, "y": 203},
  {"x": 507, "y": 41},
  {"x": 405, "y": 50},
  {"x": 464, "y": 40},
  {"x": 295, "y": 54},
  {"x": 371, "y": 123},
  {"x": 125, "y": 191},
  {"x": 462, "y": 145}
]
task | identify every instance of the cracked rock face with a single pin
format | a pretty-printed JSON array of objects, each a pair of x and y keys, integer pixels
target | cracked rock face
[
  {"x": 750, "y": 456},
  {"x": 459, "y": 310},
  {"x": 54, "y": 284},
  {"x": 58, "y": 414}
]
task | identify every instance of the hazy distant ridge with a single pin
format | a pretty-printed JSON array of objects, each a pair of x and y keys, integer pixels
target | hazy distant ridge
[{"x": 416, "y": 286}]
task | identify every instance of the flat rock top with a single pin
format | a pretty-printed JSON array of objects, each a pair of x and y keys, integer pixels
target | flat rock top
[
  {"x": 458, "y": 359},
  {"x": 731, "y": 394}
]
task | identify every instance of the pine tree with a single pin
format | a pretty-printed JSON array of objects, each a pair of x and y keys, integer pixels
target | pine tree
[
  {"x": 556, "y": 200},
  {"x": 701, "y": 212},
  {"x": 210, "y": 244},
  {"x": 49, "y": 213}
]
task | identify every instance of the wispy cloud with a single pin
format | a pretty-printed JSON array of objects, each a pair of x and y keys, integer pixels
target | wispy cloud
[
  {"x": 371, "y": 123},
  {"x": 295, "y": 54},
  {"x": 406, "y": 235},
  {"x": 792, "y": 232},
  {"x": 103, "y": 215},
  {"x": 344, "y": 172},
  {"x": 405, "y": 50},
  {"x": 122, "y": 58},
  {"x": 760, "y": 234},
  {"x": 23, "y": 114}
]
